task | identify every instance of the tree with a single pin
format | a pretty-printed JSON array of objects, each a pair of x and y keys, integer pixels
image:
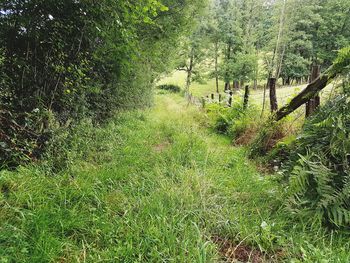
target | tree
[
  {"x": 194, "y": 52},
  {"x": 75, "y": 59}
]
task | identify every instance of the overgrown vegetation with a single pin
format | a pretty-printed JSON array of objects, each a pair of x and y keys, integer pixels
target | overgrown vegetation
[
  {"x": 89, "y": 173},
  {"x": 314, "y": 160},
  {"x": 318, "y": 165},
  {"x": 152, "y": 186},
  {"x": 69, "y": 60},
  {"x": 234, "y": 121}
]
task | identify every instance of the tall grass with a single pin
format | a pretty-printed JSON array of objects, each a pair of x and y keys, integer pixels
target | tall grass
[{"x": 152, "y": 186}]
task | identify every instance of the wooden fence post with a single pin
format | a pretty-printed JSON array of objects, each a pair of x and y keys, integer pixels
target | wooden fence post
[
  {"x": 230, "y": 99},
  {"x": 246, "y": 97},
  {"x": 315, "y": 102}
]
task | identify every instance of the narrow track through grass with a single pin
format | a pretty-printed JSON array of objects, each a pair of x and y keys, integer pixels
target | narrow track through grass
[{"x": 166, "y": 190}]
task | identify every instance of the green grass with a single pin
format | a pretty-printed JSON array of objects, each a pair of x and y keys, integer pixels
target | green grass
[
  {"x": 284, "y": 94},
  {"x": 157, "y": 187}
]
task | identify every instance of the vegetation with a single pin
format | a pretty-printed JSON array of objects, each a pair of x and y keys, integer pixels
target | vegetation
[
  {"x": 67, "y": 60},
  {"x": 103, "y": 158},
  {"x": 170, "y": 87},
  {"x": 319, "y": 173},
  {"x": 169, "y": 191}
]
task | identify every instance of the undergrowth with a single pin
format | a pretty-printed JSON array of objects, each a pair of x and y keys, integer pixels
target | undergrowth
[
  {"x": 319, "y": 166},
  {"x": 152, "y": 186},
  {"x": 238, "y": 123}
]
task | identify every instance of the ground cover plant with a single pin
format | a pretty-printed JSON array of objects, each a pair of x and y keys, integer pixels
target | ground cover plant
[
  {"x": 173, "y": 190},
  {"x": 174, "y": 131}
]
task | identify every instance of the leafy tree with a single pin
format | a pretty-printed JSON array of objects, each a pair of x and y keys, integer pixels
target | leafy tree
[{"x": 76, "y": 59}]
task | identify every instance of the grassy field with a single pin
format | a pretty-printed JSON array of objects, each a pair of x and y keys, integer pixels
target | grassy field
[
  {"x": 158, "y": 187},
  {"x": 202, "y": 90}
]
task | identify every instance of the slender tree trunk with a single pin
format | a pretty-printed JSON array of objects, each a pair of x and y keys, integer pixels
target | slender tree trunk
[
  {"x": 241, "y": 84},
  {"x": 228, "y": 56},
  {"x": 256, "y": 71},
  {"x": 216, "y": 66},
  {"x": 273, "y": 96},
  {"x": 236, "y": 85},
  {"x": 279, "y": 36},
  {"x": 189, "y": 74},
  {"x": 280, "y": 63},
  {"x": 264, "y": 100},
  {"x": 255, "y": 84}
]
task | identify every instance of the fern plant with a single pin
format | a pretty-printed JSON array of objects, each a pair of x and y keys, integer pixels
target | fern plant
[{"x": 320, "y": 171}]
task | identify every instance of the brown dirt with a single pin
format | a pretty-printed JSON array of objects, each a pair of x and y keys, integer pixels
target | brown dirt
[
  {"x": 232, "y": 252},
  {"x": 247, "y": 136}
]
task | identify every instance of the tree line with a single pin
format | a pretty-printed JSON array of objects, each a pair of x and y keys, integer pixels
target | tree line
[{"x": 250, "y": 42}]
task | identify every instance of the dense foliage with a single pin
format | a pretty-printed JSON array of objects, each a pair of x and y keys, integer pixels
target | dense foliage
[
  {"x": 250, "y": 41},
  {"x": 64, "y": 60},
  {"x": 320, "y": 178}
]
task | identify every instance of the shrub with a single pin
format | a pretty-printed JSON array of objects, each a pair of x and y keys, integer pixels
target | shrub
[
  {"x": 170, "y": 87},
  {"x": 238, "y": 123},
  {"x": 319, "y": 166}
]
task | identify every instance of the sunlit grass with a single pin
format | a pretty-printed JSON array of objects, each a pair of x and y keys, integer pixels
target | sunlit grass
[
  {"x": 168, "y": 185},
  {"x": 284, "y": 94}
]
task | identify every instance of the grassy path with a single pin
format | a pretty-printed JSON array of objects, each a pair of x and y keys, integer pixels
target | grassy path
[{"x": 160, "y": 187}]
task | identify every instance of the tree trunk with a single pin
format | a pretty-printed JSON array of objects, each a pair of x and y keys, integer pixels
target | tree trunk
[
  {"x": 241, "y": 84},
  {"x": 246, "y": 97},
  {"x": 273, "y": 96},
  {"x": 228, "y": 57},
  {"x": 278, "y": 42},
  {"x": 188, "y": 81},
  {"x": 189, "y": 74},
  {"x": 309, "y": 92},
  {"x": 216, "y": 66},
  {"x": 264, "y": 99}
]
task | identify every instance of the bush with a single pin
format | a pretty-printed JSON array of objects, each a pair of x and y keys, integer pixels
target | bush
[
  {"x": 319, "y": 166},
  {"x": 170, "y": 87},
  {"x": 238, "y": 123},
  {"x": 88, "y": 64}
]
